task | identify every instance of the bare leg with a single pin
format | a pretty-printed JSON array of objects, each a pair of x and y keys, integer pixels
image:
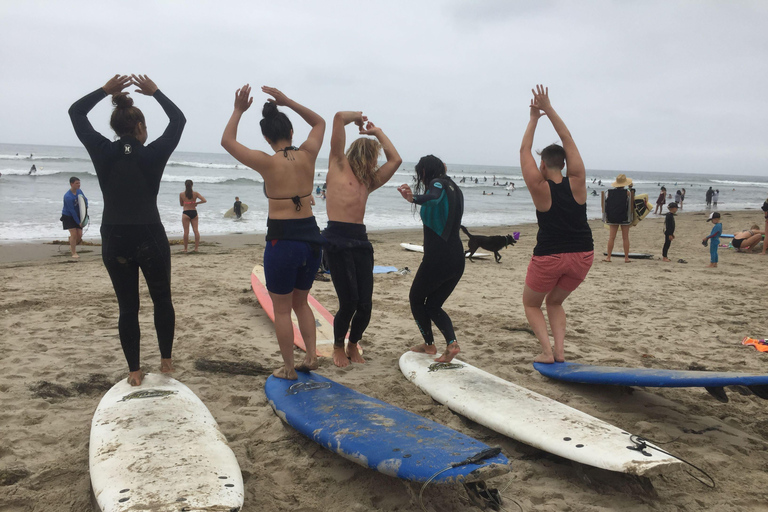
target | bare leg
[
  {"x": 193, "y": 222},
  {"x": 752, "y": 242},
  {"x": 284, "y": 332},
  {"x": 625, "y": 239},
  {"x": 353, "y": 352},
  {"x": 308, "y": 331},
  {"x": 424, "y": 349},
  {"x": 556, "y": 315},
  {"x": 73, "y": 241},
  {"x": 611, "y": 239},
  {"x": 451, "y": 351},
  {"x": 532, "y": 303},
  {"x": 135, "y": 378},
  {"x": 185, "y": 225}
]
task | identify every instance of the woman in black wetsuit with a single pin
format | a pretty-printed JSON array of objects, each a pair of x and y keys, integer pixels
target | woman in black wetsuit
[
  {"x": 442, "y": 206},
  {"x": 131, "y": 232}
]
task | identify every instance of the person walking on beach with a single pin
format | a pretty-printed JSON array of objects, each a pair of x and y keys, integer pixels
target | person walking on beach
[
  {"x": 237, "y": 208},
  {"x": 132, "y": 235},
  {"x": 661, "y": 201},
  {"x": 441, "y": 268},
  {"x": 349, "y": 254},
  {"x": 618, "y": 212},
  {"x": 669, "y": 230},
  {"x": 708, "y": 196},
  {"x": 292, "y": 253},
  {"x": 564, "y": 248},
  {"x": 713, "y": 239},
  {"x": 189, "y": 199},
  {"x": 70, "y": 215}
]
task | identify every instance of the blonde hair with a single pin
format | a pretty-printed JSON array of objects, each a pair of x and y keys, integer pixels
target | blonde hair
[
  {"x": 755, "y": 227},
  {"x": 362, "y": 155}
]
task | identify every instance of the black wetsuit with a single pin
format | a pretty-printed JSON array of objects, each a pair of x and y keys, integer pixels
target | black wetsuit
[
  {"x": 238, "y": 209},
  {"x": 349, "y": 255},
  {"x": 442, "y": 207},
  {"x": 669, "y": 229},
  {"x": 132, "y": 235}
]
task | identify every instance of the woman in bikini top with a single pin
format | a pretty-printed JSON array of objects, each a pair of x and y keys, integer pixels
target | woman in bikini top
[{"x": 188, "y": 200}]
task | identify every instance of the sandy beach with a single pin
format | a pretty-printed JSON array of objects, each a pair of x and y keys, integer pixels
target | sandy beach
[{"x": 60, "y": 354}]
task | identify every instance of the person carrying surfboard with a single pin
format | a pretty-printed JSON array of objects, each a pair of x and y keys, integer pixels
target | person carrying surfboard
[
  {"x": 352, "y": 176},
  {"x": 564, "y": 248},
  {"x": 70, "y": 215},
  {"x": 441, "y": 268},
  {"x": 292, "y": 253},
  {"x": 132, "y": 235}
]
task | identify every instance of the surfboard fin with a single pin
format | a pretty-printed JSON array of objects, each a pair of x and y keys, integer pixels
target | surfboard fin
[
  {"x": 483, "y": 497},
  {"x": 718, "y": 392},
  {"x": 760, "y": 390}
]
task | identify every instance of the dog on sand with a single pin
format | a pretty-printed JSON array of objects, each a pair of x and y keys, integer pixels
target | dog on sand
[{"x": 489, "y": 243}]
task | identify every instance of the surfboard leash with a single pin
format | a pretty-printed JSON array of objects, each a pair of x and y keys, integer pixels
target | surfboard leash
[{"x": 641, "y": 444}]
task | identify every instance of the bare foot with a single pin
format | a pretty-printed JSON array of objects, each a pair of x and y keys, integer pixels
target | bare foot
[
  {"x": 424, "y": 349},
  {"x": 606, "y": 260},
  {"x": 310, "y": 363},
  {"x": 340, "y": 358},
  {"x": 666, "y": 259},
  {"x": 166, "y": 365},
  {"x": 544, "y": 357},
  {"x": 76, "y": 256},
  {"x": 353, "y": 352},
  {"x": 450, "y": 352},
  {"x": 135, "y": 378},
  {"x": 711, "y": 265},
  {"x": 627, "y": 260},
  {"x": 282, "y": 373},
  {"x": 559, "y": 355}
]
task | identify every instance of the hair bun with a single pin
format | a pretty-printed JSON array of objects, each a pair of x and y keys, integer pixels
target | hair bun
[
  {"x": 269, "y": 110},
  {"x": 122, "y": 100}
]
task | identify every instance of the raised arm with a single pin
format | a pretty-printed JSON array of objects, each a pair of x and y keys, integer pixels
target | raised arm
[
  {"x": 170, "y": 138},
  {"x": 386, "y": 171},
  {"x": 574, "y": 164},
  {"x": 256, "y": 160},
  {"x": 339, "y": 133},
  {"x": 78, "y": 112},
  {"x": 534, "y": 180},
  {"x": 315, "y": 138}
]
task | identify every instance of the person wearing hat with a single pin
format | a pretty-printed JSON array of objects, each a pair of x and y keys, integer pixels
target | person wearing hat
[
  {"x": 618, "y": 212},
  {"x": 669, "y": 230},
  {"x": 714, "y": 238}
]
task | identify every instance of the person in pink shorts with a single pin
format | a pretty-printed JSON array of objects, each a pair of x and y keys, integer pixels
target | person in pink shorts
[{"x": 564, "y": 247}]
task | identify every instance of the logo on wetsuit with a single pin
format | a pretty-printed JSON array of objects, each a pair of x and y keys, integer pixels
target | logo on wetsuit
[{"x": 127, "y": 149}]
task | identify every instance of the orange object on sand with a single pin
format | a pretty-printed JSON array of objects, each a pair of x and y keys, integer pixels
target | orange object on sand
[{"x": 760, "y": 345}]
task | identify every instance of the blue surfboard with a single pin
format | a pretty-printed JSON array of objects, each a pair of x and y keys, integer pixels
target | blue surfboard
[
  {"x": 378, "y": 435},
  {"x": 654, "y": 377}
]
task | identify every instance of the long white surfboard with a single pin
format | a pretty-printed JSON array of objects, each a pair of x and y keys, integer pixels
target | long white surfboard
[
  {"x": 420, "y": 248},
  {"x": 529, "y": 417},
  {"x": 156, "y": 447}
]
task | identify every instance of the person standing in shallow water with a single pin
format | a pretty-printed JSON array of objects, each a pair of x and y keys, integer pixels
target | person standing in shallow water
[
  {"x": 132, "y": 236},
  {"x": 564, "y": 249},
  {"x": 442, "y": 206},
  {"x": 189, "y": 200},
  {"x": 351, "y": 179},
  {"x": 294, "y": 243}
]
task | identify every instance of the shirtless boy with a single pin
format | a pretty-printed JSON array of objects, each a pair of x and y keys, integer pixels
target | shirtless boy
[{"x": 351, "y": 178}]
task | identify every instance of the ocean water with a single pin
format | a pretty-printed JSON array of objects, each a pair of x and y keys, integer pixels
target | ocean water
[{"x": 30, "y": 205}]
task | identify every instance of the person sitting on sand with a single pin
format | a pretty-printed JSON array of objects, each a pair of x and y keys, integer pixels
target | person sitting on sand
[
  {"x": 747, "y": 240},
  {"x": 564, "y": 248},
  {"x": 132, "y": 235},
  {"x": 618, "y": 212},
  {"x": 351, "y": 179},
  {"x": 189, "y": 200},
  {"x": 292, "y": 253},
  {"x": 441, "y": 268}
]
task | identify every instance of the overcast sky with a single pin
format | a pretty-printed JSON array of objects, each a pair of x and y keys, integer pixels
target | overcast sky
[{"x": 643, "y": 85}]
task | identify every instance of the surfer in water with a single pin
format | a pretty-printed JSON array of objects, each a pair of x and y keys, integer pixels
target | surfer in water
[
  {"x": 564, "y": 248},
  {"x": 238, "y": 208},
  {"x": 189, "y": 199},
  {"x": 442, "y": 206},
  {"x": 294, "y": 243},
  {"x": 352, "y": 176},
  {"x": 133, "y": 237},
  {"x": 70, "y": 215}
]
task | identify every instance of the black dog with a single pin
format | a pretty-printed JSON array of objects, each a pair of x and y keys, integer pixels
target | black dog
[{"x": 489, "y": 243}]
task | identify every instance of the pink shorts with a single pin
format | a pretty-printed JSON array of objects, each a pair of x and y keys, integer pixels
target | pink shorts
[{"x": 565, "y": 270}]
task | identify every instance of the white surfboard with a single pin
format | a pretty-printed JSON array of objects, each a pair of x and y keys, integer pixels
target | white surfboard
[
  {"x": 157, "y": 447},
  {"x": 83, "y": 207},
  {"x": 230, "y": 214},
  {"x": 420, "y": 248},
  {"x": 529, "y": 417}
]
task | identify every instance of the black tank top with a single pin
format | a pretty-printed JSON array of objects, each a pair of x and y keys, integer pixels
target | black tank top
[{"x": 564, "y": 227}]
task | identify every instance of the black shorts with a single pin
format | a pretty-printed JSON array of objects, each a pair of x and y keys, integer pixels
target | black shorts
[
  {"x": 736, "y": 242},
  {"x": 69, "y": 222}
]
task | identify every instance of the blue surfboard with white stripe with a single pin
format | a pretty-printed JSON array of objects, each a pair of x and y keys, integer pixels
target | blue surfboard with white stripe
[{"x": 379, "y": 435}]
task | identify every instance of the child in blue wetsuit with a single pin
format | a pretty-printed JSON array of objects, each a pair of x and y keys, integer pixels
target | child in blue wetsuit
[
  {"x": 713, "y": 239},
  {"x": 442, "y": 206}
]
